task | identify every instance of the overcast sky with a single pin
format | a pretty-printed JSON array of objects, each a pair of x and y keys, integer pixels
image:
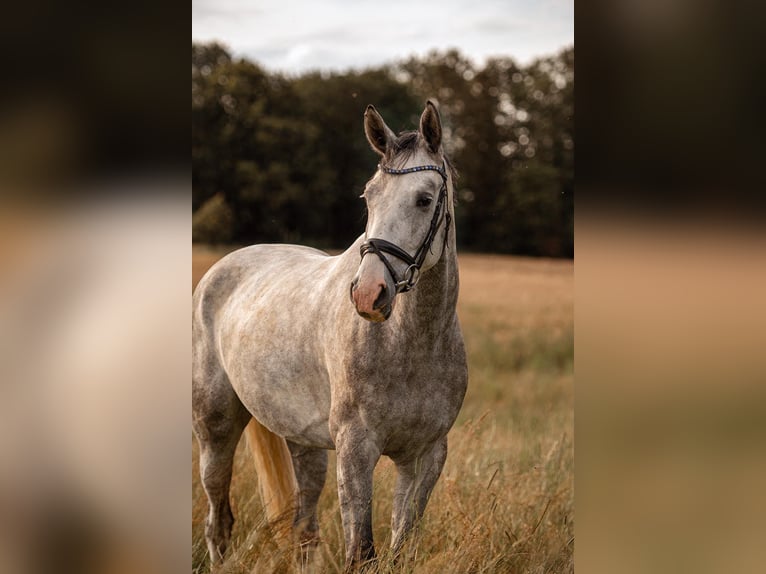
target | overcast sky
[{"x": 296, "y": 35}]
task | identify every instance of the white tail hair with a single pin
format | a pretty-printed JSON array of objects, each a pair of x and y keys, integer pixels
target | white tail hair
[{"x": 276, "y": 476}]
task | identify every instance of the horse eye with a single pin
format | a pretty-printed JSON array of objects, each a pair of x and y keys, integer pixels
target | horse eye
[{"x": 423, "y": 201}]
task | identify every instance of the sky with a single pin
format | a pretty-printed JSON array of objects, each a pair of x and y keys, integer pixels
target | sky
[{"x": 298, "y": 35}]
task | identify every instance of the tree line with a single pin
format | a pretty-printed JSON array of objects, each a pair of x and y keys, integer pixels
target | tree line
[{"x": 279, "y": 158}]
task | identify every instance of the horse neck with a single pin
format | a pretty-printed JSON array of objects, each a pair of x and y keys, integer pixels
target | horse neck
[{"x": 432, "y": 303}]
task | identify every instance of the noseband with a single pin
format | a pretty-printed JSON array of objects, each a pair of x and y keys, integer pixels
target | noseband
[{"x": 381, "y": 246}]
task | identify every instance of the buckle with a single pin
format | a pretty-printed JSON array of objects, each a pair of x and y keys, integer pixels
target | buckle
[{"x": 409, "y": 279}]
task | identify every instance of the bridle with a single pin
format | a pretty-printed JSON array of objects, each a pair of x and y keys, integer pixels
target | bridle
[{"x": 380, "y": 246}]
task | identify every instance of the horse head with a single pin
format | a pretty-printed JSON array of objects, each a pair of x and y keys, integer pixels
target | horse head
[{"x": 409, "y": 213}]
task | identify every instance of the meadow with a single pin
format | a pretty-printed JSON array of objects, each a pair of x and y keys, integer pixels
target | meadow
[{"x": 505, "y": 501}]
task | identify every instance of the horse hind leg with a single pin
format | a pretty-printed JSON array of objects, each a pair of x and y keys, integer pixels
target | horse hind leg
[
  {"x": 310, "y": 465},
  {"x": 219, "y": 418}
]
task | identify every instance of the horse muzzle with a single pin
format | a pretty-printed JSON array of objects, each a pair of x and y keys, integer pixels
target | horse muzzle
[{"x": 373, "y": 295}]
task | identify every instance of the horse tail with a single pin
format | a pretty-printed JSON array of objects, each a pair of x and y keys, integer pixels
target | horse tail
[{"x": 274, "y": 466}]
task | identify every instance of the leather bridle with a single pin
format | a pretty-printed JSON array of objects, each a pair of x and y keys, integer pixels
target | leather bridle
[{"x": 380, "y": 246}]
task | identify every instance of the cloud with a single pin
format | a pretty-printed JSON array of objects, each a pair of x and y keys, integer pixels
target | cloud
[{"x": 336, "y": 35}]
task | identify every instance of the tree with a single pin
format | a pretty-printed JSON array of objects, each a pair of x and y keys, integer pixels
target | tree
[{"x": 287, "y": 156}]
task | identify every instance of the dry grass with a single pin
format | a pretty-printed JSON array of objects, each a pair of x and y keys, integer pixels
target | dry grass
[{"x": 505, "y": 501}]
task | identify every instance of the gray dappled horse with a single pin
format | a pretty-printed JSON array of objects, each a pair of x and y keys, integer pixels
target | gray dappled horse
[{"x": 279, "y": 349}]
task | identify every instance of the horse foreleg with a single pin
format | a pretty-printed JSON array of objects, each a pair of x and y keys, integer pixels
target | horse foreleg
[
  {"x": 356, "y": 459},
  {"x": 310, "y": 465},
  {"x": 415, "y": 481}
]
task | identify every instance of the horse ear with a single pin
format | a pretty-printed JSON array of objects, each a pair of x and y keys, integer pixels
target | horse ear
[
  {"x": 431, "y": 127},
  {"x": 378, "y": 133}
]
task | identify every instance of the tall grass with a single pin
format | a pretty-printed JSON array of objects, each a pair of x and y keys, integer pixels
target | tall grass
[{"x": 505, "y": 500}]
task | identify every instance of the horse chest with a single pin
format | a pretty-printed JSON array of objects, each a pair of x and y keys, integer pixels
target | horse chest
[{"x": 408, "y": 400}]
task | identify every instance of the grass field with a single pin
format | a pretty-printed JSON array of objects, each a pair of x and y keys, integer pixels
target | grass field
[{"x": 505, "y": 501}]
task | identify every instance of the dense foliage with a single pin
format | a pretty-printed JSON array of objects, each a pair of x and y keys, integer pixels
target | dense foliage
[{"x": 284, "y": 159}]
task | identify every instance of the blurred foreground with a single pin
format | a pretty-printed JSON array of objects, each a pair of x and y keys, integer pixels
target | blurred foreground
[
  {"x": 671, "y": 401},
  {"x": 94, "y": 395}
]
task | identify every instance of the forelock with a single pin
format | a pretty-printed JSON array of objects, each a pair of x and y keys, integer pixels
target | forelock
[{"x": 406, "y": 144}]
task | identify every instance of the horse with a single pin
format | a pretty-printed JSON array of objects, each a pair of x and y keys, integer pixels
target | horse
[{"x": 360, "y": 352}]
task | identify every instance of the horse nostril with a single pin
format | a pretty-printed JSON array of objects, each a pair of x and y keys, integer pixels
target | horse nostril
[
  {"x": 353, "y": 287},
  {"x": 381, "y": 300}
]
